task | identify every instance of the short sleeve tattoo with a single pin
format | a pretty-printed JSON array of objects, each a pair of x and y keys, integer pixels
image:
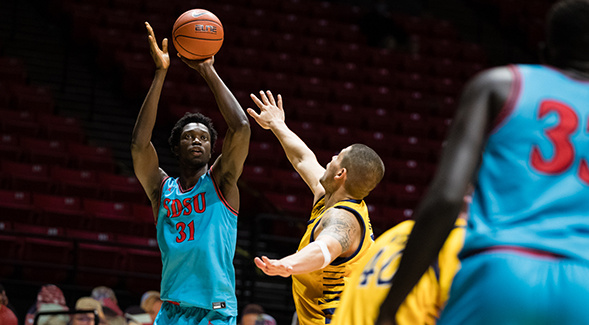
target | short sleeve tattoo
[{"x": 340, "y": 226}]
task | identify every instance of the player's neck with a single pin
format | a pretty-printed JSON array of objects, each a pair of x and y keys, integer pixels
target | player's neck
[
  {"x": 190, "y": 176},
  {"x": 339, "y": 195}
]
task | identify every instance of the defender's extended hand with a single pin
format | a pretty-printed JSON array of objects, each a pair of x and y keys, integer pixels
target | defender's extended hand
[
  {"x": 160, "y": 57},
  {"x": 270, "y": 110},
  {"x": 273, "y": 267}
]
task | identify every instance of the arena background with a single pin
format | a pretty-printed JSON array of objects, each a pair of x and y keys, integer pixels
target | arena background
[{"x": 73, "y": 75}]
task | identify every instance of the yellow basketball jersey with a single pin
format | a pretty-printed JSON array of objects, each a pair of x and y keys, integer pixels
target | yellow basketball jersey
[
  {"x": 371, "y": 280},
  {"x": 317, "y": 294}
]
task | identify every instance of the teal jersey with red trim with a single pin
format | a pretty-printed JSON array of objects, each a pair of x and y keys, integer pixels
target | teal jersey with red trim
[
  {"x": 196, "y": 233},
  {"x": 533, "y": 184}
]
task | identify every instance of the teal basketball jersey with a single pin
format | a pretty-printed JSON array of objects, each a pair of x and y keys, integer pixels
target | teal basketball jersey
[
  {"x": 196, "y": 233},
  {"x": 533, "y": 184}
]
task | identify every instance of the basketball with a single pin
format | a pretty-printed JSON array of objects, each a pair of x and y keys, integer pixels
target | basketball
[{"x": 197, "y": 34}]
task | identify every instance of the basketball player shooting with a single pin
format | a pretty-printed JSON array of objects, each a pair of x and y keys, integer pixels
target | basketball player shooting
[
  {"x": 196, "y": 213},
  {"x": 525, "y": 259},
  {"x": 339, "y": 231}
]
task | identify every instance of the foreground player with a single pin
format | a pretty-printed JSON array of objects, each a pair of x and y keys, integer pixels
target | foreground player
[
  {"x": 525, "y": 258},
  {"x": 371, "y": 278},
  {"x": 339, "y": 231},
  {"x": 195, "y": 214}
]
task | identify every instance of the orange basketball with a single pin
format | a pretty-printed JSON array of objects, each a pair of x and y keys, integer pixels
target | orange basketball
[{"x": 197, "y": 34}]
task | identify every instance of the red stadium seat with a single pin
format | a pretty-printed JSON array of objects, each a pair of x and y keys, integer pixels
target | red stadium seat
[
  {"x": 257, "y": 177},
  {"x": 404, "y": 195},
  {"x": 122, "y": 188},
  {"x": 9, "y": 148},
  {"x": 308, "y": 132},
  {"x": 89, "y": 235},
  {"x": 384, "y": 143},
  {"x": 26, "y": 177},
  {"x": 393, "y": 216},
  {"x": 145, "y": 267},
  {"x": 338, "y": 137},
  {"x": 96, "y": 263},
  {"x": 381, "y": 120},
  {"x": 313, "y": 88},
  {"x": 13, "y": 70},
  {"x": 287, "y": 43},
  {"x": 316, "y": 67},
  {"x": 10, "y": 253},
  {"x": 143, "y": 213},
  {"x": 59, "y": 211},
  {"x": 51, "y": 260},
  {"x": 319, "y": 47},
  {"x": 258, "y": 18},
  {"x": 323, "y": 28},
  {"x": 289, "y": 181},
  {"x": 37, "y": 229},
  {"x": 28, "y": 128},
  {"x": 40, "y": 151},
  {"x": 91, "y": 158},
  {"x": 296, "y": 205},
  {"x": 346, "y": 115},
  {"x": 297, "y": 7},
  {"x": 379, "y": 97},
  {"x": 348, "y": 71},
  {"x": 34, "y": 99},
  {"x": 15, "y": 206},
  {"x": 308, "y": 110},
  {"x": 265, "y": 154},
  {"x": 143, "y": 242},
  {"x": 111, "y": 217},
  {"x": 75, "y": 182},
  {"x": 347, "y": 93}
]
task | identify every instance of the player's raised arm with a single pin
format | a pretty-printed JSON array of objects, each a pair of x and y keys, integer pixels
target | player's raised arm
[
  {"x": 338, "y": 235},
  {"x": 483, "y": 97},
  {"x": 271, "y": 117},
  {"x": 145, "y": 160},
  {"x": 229, "y": 165}
]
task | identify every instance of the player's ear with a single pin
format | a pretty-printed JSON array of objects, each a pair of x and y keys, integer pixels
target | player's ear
[
  {"x": 175, "y": 151},
  {"x": 341, "y": 174}
]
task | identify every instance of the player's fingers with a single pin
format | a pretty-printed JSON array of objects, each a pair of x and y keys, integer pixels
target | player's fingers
[
  {"x": 279, "y": 101},
  {"x": 259, "y": 263},
  {"x": 165, "y": 45},
  {"x": 264, "y": 98},
  {"x": 257, "y": 101},
  {"x": 253, "y": 114},
  {"x": 270, "y": 97}
]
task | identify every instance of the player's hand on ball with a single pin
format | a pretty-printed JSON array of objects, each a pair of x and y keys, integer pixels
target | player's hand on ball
[
  {"x": 270, "y": 110},
  {"x": 273, "y": 267},
  {"x": 198, "y": 65},
  {"x": 160, "y": 57}
]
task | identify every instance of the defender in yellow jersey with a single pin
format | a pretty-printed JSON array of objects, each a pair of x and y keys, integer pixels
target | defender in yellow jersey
[
  {"x": 371, "y": 280},
  {"x": 339, "y": 231}
]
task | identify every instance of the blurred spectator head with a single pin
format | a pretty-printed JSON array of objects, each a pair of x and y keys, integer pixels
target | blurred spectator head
[
  {"x": 253, "y": 314},
  {"x": 135, "y": 315},
  {"x": 101, "y": 293},
  {"x": 52, "y": 319},
  {"x": 48, "y": 294},
  {"x": 151, "y": 303},
  {"x": 87, "y": 303}
]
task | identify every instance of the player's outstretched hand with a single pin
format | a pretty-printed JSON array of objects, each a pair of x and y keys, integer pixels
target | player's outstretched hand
[
  {"x": 273, "y": 267},
  {"x": 198, "y": 65},
  {"x": 270, "y": 110},
  {"x": 160, "y": 57}
]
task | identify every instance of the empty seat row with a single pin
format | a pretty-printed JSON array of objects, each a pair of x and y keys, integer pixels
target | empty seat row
[{"x": 54, "y": 260}]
